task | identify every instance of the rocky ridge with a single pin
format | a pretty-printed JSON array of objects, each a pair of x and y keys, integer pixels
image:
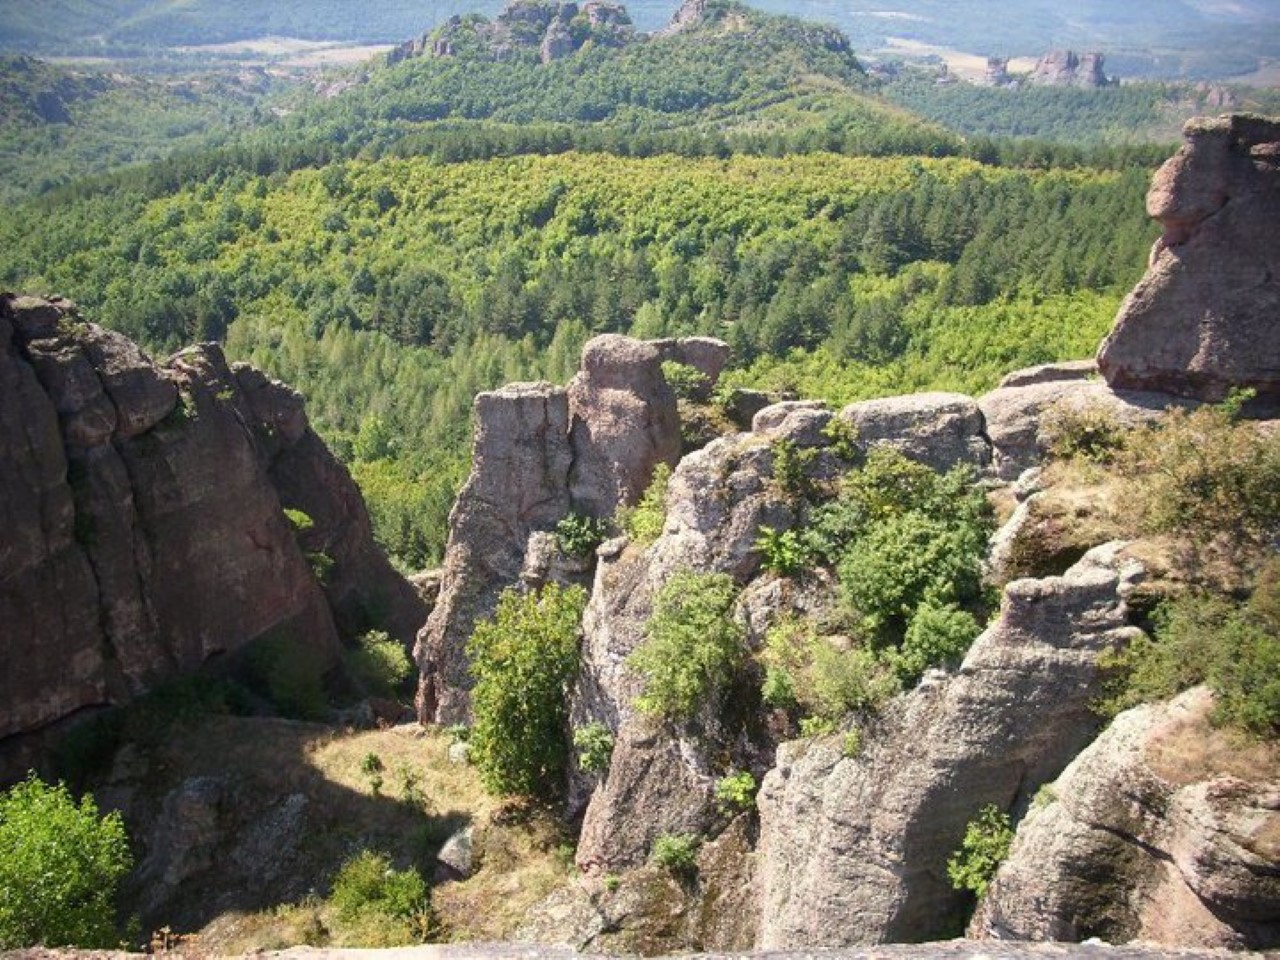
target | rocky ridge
[
  {"x": 145, "y": 534},
  {"x": 1066, "y": 68}
]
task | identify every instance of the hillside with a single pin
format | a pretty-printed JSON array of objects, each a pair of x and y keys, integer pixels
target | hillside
[{"x": 1141, "y": 37}]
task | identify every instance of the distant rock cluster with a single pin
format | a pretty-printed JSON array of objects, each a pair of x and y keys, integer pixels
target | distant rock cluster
[{"x": 552, "y": 29}]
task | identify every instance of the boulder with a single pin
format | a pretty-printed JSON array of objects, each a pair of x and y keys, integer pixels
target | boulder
[
  {"x": 940, "y": 430},
  {"x": 1203, "y": 320},
  {"x": 853, "y": 850},
  {"x": 1161, "y": 831}
]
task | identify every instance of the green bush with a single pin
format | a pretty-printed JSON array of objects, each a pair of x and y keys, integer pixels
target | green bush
[
  {"x": 782, "y": 551},
  {"x": 937, "y": 635},
  {"x": 823, "y": 680},
  {"x": 523, "y": 661},
  {"x": 60, "y": 864},
  {"x": 1200, "y": 638},
  {"x": 368, "y": 884},
  {"x": 909, "y": 560},
  {"x": 300, "y": 520},
  {"x": 791, "y": 465},
  {"x": 1088, "y": 432},
  {"x": 288, "y": 673},
  {"x": 736, "y": 792},
  {"x": 643, "y": 523},
  {"x": 676, "y": 852},
  {"x": 693, "y": 645},
  {"x": 1208, "y": 480},
  {"x": 685, "y": 381},
  {"x": 594, "y": 744},
  {"x": 579, "y": 535},
  {"x": 379, "y": 664},
  {"x": 985, "y": 845}
]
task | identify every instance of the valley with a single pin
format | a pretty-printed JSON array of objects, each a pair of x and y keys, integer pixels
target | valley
[{"x": 691, "y": 477}]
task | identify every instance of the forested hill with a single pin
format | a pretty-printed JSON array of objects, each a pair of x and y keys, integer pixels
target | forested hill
[{"x": 450, "y": 224}]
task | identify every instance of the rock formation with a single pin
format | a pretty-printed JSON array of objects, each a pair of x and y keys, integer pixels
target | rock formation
[
  {"x": 142, "y": 510},
  {"x": 1162, "y": 830},
  {"x": 853, "y": 849},
  {"x": 541, "y": 452},
  {"x": 549, "y": 29},
  {"x": 1204, "y": 319},
  {"x": 997, "y": 72},
  {"x": 1064, "y": 68}
]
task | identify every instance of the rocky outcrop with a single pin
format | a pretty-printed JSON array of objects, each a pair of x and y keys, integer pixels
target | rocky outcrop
[
  {"x": 519, "y": 484},
  {"x": 1204, "y": 317},
  {"x": 1065, "y": 68},
  {"x": 997, "y": 72},
  {"x": 1162, "y": 831},
  {"x": 940, "y": 430},
  {"x": 853, "y": 849},
  {"x": 541, "y": 452},
  {"x": 142, "y": 509},
  {"x": 547, "y": 29}
]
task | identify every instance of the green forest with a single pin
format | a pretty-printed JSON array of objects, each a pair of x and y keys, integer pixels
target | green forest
[{"x": 454, "y": 223}]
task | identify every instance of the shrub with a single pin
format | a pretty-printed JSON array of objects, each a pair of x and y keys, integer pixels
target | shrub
[
  {"x": 1089, "y": 432},
  {"x": 686, "y": 382},
  {"x": 805, "y": 670},
  {"x": 1200, "y": 638},
  {"x": 782, "y": 551},
  {"x": 908, "y": 560},
  {"x": 676, "y": 852},
  {"x": 378, "y": 664},
  {"x": 643, "y": 523},
  {"x": 579, "y": 535},
  {"x": 60, "y": 864},
  {"x": 984, "y": 847},
  {"x": 692, "y": 647},
  {"x": 851, "y": 746},
  {"x": 288, "y": 673},
  {"x": 298, "y": 519},
  {"x": 594, "y": 744},
  {"x": 736, "y": 792},
  {"x": 367, "y": 883},
  {"x": 791, "y": 465},
  {"x": 817, "y": 726},
  {"x": 523, "y": 661},
  {"x": 936, "y": 635},
  {"x": 1208, "y": 480}
]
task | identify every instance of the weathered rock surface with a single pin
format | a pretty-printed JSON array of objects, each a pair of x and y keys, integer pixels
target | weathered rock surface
[
  {"x": 142, "y": 510},
  {"x": 1020, "y": 415},
  {"x": 1204, "y": 318},
  {"x": 1147, "y": 837},
  {"x": 941, "y": 430},
  {"x": 541, "y": 452},
  {"x": 1066, "y": 68},
  {"x": 853, "y": 850},
  {"x": 519, "y": 484}
]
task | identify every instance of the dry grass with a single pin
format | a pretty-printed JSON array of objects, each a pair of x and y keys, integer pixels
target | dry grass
[
  {"x": 422, "y": 798},
  {"x": 1190, "y": 750}
]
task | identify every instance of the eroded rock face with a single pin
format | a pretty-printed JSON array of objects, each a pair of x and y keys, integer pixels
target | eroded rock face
[
  {"x": 540, "y": 452},
  {"x": 1066, "y": 68},
  {"x": 142, "y": 510},
  {"x": 519, "y": 484},
  {"x": 940, "y": 430},
  {"x": 1148, "y": 836},
  {"x": 853, "y": 849},
  {"x": 1204, "y": 318}
]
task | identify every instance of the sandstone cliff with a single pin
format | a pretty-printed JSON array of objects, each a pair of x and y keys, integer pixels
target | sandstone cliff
[
  {"x": 1204, "y": 319},
  {"x": 1066, "y": 68},
  {"x": 145, "y": 534}
]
